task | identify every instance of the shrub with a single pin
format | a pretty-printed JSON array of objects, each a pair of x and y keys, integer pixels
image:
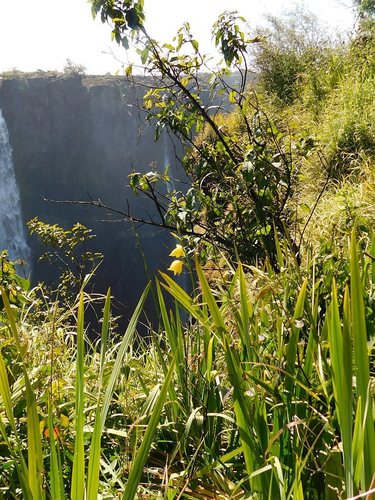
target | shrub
[{"x": 289, "y": 48}]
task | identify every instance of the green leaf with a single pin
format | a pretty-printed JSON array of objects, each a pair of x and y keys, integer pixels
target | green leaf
[
  {"x": 34, "y": 472},
  {"x": 142, "y": 455},
  {"x": 144, "y": 55},
  {"x": 243, "y": 415},
  {"x": 294, "y": 339},
  {"x": 78, "y": 473},
  {"x": 125, "y": 42},
  {"x": 125, "y": 343},
  {"x": 361, "y": 358},
  {"x": 56, "y": 477},
  {"x": 340, "y": 350},
  {"x": 209, "y": 299},
  {"x": 94, "y": 458}
]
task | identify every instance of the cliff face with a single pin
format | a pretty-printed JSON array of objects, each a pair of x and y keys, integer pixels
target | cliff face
[{"x": 78, "y": 138}]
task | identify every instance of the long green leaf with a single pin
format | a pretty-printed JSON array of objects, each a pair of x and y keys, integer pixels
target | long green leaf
[
  {"x": 209, "y": 299},
  {"x": 361, "y": 357},
  {"x": 78, "y": 474},
  {"x": 340, "y": 349},
  {"x": 128, "y": 336},
  {"x": 183, "y": 298},
  {"x": 55, "y": 471},
  {"x": 12, "y": 323},
  {"x": 175, "y": 344},
  {"x": 104, "y": 333},
  {"x": 243, "y": 320},
  {"x": 94, "y": 458},
  {"x": 34, "y": 451},
  {"x": 294, "y": 338},
  {"x": 243, "y": 417},
  {"x": 358, "y": 439},
  {"x": 141, "y": 457},
  {"x": 6, "y": 396},
  {"x": 34, "y": 445}
]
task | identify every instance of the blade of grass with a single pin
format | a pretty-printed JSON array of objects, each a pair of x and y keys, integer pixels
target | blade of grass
[
  {"x": 361, "y": 357},
  {"x": 183, "y": 298},
  {"x": 34, "y": 450},
  {"x": 175, "y": 346},
  {"x": 128, "y": 335},
  {"x": 104, "y": 332},
  {"x": 358, "y": 438},
  {"x": 243, "y": 415},
  {"x": 78, "y": 473},
  {"x": 94, "y": 457},
  {"x": 279, "y": 253},
  {"x": 55, "y": 472},
  {"x": 293, "y": 340},
  {"x": 340, "y": 349},
  {"x": 34, "y": 444},
  {"x": 243, "y": 319},
  {"x": 141, "y": 457},
  {"x": 5, "y": 394},
  {"x": 209, "y": 298}
]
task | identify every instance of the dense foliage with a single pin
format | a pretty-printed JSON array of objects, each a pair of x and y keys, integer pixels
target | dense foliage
[{"x": 240, "y": 169}]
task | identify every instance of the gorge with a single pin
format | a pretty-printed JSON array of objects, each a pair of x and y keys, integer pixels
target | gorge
[{"x": 77, "y": 138}]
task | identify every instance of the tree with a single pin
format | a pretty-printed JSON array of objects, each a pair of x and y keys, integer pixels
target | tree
[
  {"x": 127, "y": 16},
  {"x": 290, "y": 46},
  {"x": 239, "y": 165},
  {"x": 74, "y": 69},
  {"x": 365, "y": 7}
]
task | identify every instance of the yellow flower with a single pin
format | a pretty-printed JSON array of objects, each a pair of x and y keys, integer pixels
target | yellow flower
[
  {"x": 177, "y": 252},
  {"x": 176, "y": 267}
]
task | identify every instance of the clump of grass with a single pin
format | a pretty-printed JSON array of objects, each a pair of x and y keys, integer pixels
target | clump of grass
[
  {"x": 330, "y": 122},
  {"x": 342, "y": 206},
  {"x": 267, "y": 393},
  {"x": 66, "y": 462}
]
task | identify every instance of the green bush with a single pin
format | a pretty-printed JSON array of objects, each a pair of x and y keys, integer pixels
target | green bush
[{"x": 291, "y": 47}]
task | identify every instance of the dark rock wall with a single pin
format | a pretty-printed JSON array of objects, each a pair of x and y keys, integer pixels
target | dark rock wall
[{"x": 78, "y": 139}]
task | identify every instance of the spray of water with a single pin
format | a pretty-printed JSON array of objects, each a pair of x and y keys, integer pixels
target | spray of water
[{"x": 12, "y": 231}]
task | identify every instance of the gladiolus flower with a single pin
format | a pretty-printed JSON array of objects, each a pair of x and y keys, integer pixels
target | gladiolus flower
[
  {"x": 176, "y": 267},
  {"x": 177, "y": 252}
]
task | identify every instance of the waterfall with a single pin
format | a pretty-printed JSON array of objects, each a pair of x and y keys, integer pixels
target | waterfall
[
  {"x": 12, "y": 231},
  {"x": 166, "y": 161}
]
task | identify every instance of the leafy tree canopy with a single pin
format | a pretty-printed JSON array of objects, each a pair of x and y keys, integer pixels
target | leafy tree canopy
[
  {"x": 126, "y": 16},
  {"x": 365, "y": 7},
  {"x": 240, "y": 175}
]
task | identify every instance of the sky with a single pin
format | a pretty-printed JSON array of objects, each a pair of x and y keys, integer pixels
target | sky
[{"x": 43, "y": 34}]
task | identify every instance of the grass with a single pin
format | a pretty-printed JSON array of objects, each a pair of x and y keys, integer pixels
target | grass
[
  {"x": 31, "y": 473},
  {"x": 330, "y": 124},
  {"x": 258, "y": 398}
]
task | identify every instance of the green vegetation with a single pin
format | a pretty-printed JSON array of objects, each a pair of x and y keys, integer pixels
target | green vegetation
[{"x": 267, "y": 391}]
